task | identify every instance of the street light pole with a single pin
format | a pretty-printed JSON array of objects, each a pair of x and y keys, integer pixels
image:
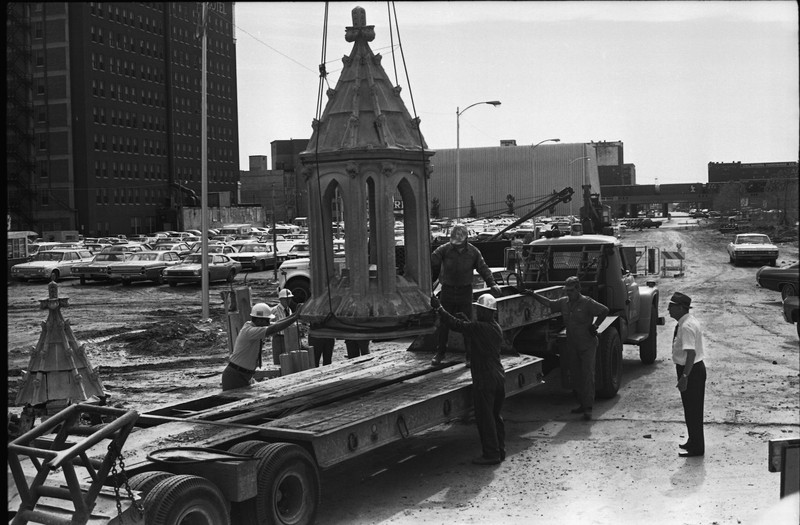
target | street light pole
[{"x": 458, "y": 150}]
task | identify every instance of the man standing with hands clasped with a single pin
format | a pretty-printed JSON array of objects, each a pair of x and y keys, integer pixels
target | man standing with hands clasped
[
  {"x": 579, "y": 312},
  {"x": 687, "y": 354}
]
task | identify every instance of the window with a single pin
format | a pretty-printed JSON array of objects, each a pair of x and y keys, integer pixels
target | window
[
  {"x": 42, "y": 142},
  {"x": 45, "y": 199},
  {"x": 42, "y": 116},
  {"x": 42, "y": 169},
  {"x": 38, "y": 30},
  {"x": 39, "y": 54}
]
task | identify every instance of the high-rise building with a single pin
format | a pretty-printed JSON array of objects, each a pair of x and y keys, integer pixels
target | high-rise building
[{"x": 104, "y": 113}]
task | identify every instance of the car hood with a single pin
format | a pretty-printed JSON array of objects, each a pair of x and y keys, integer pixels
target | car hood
[
  {"x": 37, "y": 264},
  {"x": 186, "y": 266}
]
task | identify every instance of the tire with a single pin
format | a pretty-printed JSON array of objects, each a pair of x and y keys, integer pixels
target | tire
[
  {"x": 300, "y": 288},
  {"x": 787, "y": 290},
  {"x": 231, "y": 276},
  {"x": 145, "y": 481},
  {"x": 247, "y": 447},
  {"x": 173, "y": 284},
  {"x": 648, "y": 349},
  {"x": 288, "y": 486},
  {"x": 183, "y": 499},
  {"x": 83, "y": 279},
  {"x": 608, "y": 365},
  {"x": 54, "y": 276}
]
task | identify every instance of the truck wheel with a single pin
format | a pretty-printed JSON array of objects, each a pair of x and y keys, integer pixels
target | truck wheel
[
  {"x": 182, "y": 499},
  {"x": 145, "y": 481},
  {"x": 288, "y": 486},
  {"x": 300, "y": 288},
  {"x": 247, "y": 447},
  {"x": 648, "y": 349},
  {"x": 787, "y": 290},
  {"x": 608, "y": 365}
]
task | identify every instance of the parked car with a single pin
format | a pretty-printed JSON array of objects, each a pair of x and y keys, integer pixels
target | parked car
[
  {"x": 98, "y": 268},
  {"x": 256, "y": 255},
  {"x": 299, "y": 250},
  {"x": 124, "y": 248},
  {"x": 144, "y": 266},
  {"x": 170, "y": 246},
  {"x": 791, "y": 311},
  {"x": 784, "y": 279},
  {"x": 220, "y": 267},
  {"x": 216, "y": 247},
  {"x": 50, "y": 265},
  {"x": 752, "y": 247}
]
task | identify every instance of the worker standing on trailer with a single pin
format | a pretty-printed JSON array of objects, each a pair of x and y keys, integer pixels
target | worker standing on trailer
[
  {"x": 488, "y": 375},
  {"x": 246, "y": 356},
  {"x": 453, "y": 263},
  {"x": 579, "y": 312}
]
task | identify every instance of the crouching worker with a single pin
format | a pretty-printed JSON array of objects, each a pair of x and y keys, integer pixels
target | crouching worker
[
  {"x": 246, "y": 356},
  {"x": 488, "y": 375}
]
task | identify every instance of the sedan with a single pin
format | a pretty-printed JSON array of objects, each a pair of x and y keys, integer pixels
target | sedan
[
  {"x": 98, "y": 268},
  {"x": 257, "y": 256},
  {"x": 752, "y": 247},
  {"x": 220, "y": 267},
  {"x": 170, "y": 246},
  {"x": 144, "y": 266},
  {"x": 50, "y": 265},
  {"x": 784, "y": 279}
]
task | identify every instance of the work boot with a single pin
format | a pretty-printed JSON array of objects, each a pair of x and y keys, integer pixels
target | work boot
[
  {"x": 483, "y": 460},
  {"x": 438, "y": 358},
  {"x": 578, "y": 410},
  {"x": 587, "y": 414}
]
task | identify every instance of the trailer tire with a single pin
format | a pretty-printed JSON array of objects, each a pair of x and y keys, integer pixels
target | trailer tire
[
  {"x": 145, "y": 481},
  {"x": 608, "y": 364},
  {"x": 186, "y": 499},
  {"x": 648, "y": 349},
  {"x": 288, "y": 486},
  {"x": 247, "y": 447}
]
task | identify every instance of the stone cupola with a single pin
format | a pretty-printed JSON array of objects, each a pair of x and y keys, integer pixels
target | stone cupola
[{"x": 367, "y": 160}]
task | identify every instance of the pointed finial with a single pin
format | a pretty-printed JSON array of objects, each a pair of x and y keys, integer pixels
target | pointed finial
[{"x": 359, "y": 31}]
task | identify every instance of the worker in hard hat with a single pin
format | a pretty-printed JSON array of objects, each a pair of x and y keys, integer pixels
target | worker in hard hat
[
  {"x": 287, "y": 340},
  {"x": 453, "y": 263},
  {"x": 582, "y": 317},
  {"x": 488, "y": 375},
  {"x": 246, "y": 356}
]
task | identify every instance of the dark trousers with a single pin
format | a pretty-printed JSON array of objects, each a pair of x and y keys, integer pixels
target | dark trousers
[
  {"x": 323, "y": 349},
  {"x": 491, "y": 429},
  {"x": 453, "y": 308},
  {"x": 232, "y": 378},
  {"x": 693, "y": 398},
  {"x": 356, "y": 348},
  {"x": 582, "y": 366}
]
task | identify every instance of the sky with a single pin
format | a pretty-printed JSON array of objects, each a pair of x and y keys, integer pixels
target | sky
[{"x": 681, "y": 84}]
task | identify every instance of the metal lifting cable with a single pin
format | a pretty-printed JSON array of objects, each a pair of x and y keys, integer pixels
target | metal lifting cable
[
  {"x": 391, "y": 41},
  {"x": 323, "y": 80}
]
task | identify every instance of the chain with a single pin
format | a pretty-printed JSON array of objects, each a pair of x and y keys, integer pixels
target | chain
[{"x": 138, "y": 506}]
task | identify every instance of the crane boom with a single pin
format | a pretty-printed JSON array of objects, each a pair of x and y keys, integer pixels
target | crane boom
[{"x": 564, "y": 195}]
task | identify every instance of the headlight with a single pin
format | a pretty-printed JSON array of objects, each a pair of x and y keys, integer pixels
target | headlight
[
  {"x": 196, "y": 272},
  {"x": 42, "y": 270}
]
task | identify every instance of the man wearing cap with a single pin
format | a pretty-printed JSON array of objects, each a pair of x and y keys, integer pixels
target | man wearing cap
[
  {"x": 579, "y": 312},
  {"x": 687, "y": 354},
  {"x": 453, "y": 263},
  {"x": 488, "y": 375},
  {"x": 287, "y": 340},
  {"x": 246, "y": 356}
]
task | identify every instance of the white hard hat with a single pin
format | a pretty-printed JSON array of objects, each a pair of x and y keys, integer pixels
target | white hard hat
[
  {"x": 487, "y": 301},
  {"x": 285, "y": 293},
  {"x": 262, "y": 311}
]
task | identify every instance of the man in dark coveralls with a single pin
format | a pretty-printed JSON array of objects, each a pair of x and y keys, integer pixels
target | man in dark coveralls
[
  {"x": 488, "y": 375},
  {"x": 579, "y": 312},
  {"x": 453, "y": 263}
]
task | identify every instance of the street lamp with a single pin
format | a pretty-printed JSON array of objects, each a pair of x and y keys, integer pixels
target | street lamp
[{"x": 458, "y": 150}]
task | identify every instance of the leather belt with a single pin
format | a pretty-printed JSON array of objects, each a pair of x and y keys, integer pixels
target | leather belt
[{"x": 241, "y": 369}]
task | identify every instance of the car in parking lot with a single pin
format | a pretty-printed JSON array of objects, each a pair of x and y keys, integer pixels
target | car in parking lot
[
  {"x": 220, "y": 267},
  {"x": 752, "y": 247},
  {"x": 143, "y": 266},
  {"x": 170, "y": 246},
  {"x": 215, "y": 247},
  {"x": 98, "y": 268},
  {"x": 784, "y": 279},
  {"x": 256, "y": 255},
  {"x": 124, "y": 248},
  {"x": 50, "y": 265}
]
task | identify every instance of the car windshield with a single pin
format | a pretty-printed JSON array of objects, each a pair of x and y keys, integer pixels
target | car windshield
[
  {"x": 144, "y": 257},
  {"x": 49, "y": 256},
  {"x": 299, "y": 248},
  {"x": 753, "y": 239},
  {"x": 100, "y": 257}
]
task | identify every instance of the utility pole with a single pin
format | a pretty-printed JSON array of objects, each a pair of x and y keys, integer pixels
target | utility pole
[
  {"x": 274, "y": 237},
  {"x": 204, "y": 165}
]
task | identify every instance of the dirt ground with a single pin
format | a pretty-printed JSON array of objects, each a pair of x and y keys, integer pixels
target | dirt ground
[{"x": 151, "y": 347}]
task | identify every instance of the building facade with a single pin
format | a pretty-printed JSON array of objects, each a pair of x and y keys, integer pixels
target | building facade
[{"x": 106, "y": 135}]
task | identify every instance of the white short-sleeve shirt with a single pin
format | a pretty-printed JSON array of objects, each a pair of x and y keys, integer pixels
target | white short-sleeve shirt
[{"x": 688, "y": 336}]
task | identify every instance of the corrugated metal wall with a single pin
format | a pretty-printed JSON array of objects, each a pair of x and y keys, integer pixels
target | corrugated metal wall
[{"x": 488, "y": 175}]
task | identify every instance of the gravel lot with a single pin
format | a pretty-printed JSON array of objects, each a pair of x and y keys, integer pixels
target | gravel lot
[{"x": 152, "y": 348}]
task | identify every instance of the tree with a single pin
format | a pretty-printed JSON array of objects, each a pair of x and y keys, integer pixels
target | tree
[
  {"x": 435, "y": 207},
  {"x": 510, "y": 200},
  {"x": 727, "y": 199},
  {"x": 473, "y": 211}
]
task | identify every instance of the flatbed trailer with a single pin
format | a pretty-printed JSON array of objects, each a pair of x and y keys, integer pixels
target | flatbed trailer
[{"x": 253, "y": 455}]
